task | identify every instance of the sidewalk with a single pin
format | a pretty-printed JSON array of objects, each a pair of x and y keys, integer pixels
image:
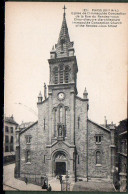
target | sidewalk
[
  {"x": 93, "y": 186},
  {"x": 14, "y": 184},
  {"x": 55, "y": 184},
  {"x": 11, "y": 183}
]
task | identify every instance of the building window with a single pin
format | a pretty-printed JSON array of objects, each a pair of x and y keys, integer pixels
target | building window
[
  {"x": 123, "y": 146},
  {"x": 28, "y": 139},
  {"x": 98, "y": 157},
  {"x": 44, "y": 124},
  {"x": 11, "y": 140},
  {"x": 11, "y": 148},
  {"x": 11, "y": 129},
  {"x": 60, "y": 114},
  {"x": 28, "y": 156},
  {"x": 98, "y": 139},
  {"x": 56, "y": 75},
  {"x": 61, "y": 73},
  {"x": 6, "y": 139},
  {"x": 6, "y": 129},
  {"x": 6, "y": 149},
  {"x": 62, "y": 41},
  {"x": 78, "y": 122},
  {"x": 66, "y": 74}
]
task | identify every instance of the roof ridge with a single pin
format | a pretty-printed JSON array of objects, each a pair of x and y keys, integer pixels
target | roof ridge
[{"x": 99, "y": 125}]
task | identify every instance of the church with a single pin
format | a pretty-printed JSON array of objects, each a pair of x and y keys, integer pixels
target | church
[{"x": 64, "y": 141}]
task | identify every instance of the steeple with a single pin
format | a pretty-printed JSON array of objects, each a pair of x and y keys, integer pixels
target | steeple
[
  {"x": 62, "y": 62},
  {"x": 64, "y": 47}
]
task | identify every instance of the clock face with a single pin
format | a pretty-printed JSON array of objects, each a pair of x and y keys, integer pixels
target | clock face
[{"x": 61, "y": 96}]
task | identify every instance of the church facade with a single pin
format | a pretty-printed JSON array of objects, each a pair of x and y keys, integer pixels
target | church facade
[{"x": 64, "y": 140}]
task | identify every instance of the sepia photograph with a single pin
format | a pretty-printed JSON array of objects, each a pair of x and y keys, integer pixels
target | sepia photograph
[{"x": 65, "y": 96}]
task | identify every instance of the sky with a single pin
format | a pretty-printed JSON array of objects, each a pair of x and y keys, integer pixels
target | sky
[{"x": 32, "y": 28}]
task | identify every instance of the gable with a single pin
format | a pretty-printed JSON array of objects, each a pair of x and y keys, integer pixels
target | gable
[
  {"x": 99, "y": 126},
  {"x": 28, "y": 128}
]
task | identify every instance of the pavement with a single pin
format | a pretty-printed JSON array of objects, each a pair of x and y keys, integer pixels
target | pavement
[
  {"x": 55, "y": 184},
  {"x": 93, "y": 186},
  {"x": 11, "y": 183}
]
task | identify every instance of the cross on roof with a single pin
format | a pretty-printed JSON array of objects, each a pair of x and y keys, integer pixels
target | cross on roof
[{"x": 64, "y": 8}]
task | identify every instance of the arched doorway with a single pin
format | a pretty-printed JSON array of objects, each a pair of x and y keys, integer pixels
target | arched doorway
[
  {"x": 60, "y": 163},
  {"x": 60, "y": 168}
]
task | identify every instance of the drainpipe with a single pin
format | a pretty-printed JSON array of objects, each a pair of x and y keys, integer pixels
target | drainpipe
[
  {"x": 87, "y": 148},
  {"x": 85, "y": 97}
]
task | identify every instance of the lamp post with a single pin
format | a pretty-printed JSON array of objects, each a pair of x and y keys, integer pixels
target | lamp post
[{"x": 66, "y": 180}]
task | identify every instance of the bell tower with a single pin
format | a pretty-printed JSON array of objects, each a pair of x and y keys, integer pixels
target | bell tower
[{"x": 62, "y": 62}]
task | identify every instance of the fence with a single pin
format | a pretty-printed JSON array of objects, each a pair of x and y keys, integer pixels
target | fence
[
  {"x": 36, "y": 179},
  {"x": 65, "y": 186},
  {"x": 9, "y": 159}
]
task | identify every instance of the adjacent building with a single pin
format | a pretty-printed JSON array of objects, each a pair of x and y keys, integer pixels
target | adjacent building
[
  {"x": 122, "y": 154},
  {"x": 9, "y": 140},
  {"x": 10, "y": 126},
  {"x": 64, "y": 140}
]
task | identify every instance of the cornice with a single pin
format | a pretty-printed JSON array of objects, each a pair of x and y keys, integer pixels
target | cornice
[{"x": 63, "y": 59}]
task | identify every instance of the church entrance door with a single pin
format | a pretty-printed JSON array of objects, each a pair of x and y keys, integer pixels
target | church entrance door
[{"x": 60, "y": 168}]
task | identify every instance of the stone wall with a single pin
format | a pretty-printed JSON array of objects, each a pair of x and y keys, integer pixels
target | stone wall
[
  {"x": 39, "y": 134},
  {"x": 103, "y": 170},
  {"x": 80, "y": 136}
]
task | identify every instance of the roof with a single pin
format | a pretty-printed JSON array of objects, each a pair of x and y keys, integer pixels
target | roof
[
  {"x": 82, "y": 99},
  {"x": 122, "y": 127},
  {"x": 64, "y": 44},
  {"x": 104, "y": 128},
  {"x": 43, "y": 101},
  {"x": 10, "y": 120},
  {"x": 25, "y": 124},
  {"x": 123, "y": 133},
  {"x": 25, "y": 129}
]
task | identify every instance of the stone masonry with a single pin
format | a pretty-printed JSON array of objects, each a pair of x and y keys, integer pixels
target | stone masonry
[{"x": 63, "y": 140}]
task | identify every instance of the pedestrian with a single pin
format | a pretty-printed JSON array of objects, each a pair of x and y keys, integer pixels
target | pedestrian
[
  {"x": 60, "y": 177},
  {"x": 26, "y": 180},
  {"x": 49, "y": 188},
  {"x": 44, "y": 186}
]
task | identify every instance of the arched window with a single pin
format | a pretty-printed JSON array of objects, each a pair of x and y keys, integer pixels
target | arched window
[
  {"x": 28, "y": 156},
  {"x": 60, "y": 114},
  {"x": 98, "y": 157},
  {"x": 55, "y": 111},
  {"x": 11, "y": 141},
  {"x": 61, "y": 74},
  {"x": 66, "y": 74},
  {"x": 56, "y": 75},
  {"x": 65, "y": 122}
]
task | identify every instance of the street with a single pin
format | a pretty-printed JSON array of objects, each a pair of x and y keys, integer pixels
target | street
[
  {"x": 10, "y": 183},
  {"x": 93, "y": 186}
]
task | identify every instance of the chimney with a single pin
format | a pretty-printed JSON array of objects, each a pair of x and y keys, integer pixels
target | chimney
[
  {"x": 45, "y": 91},
  {"x": 105, "y": 121},
  {"x": 85, "y": 94},
  {"x": 12, "y": 117},
  {"x": 40, "y": 98}
]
